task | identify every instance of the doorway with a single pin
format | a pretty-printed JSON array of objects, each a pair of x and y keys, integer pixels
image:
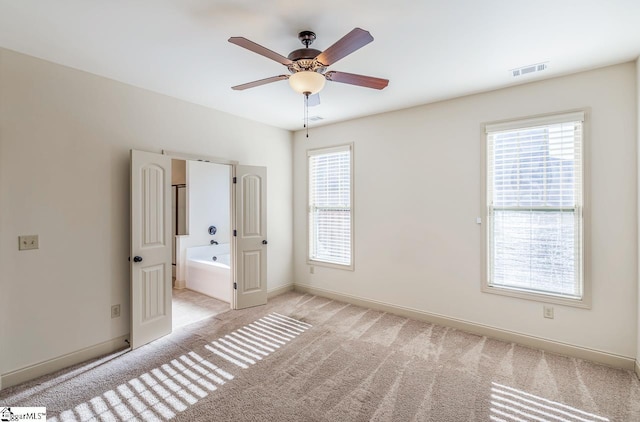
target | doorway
[
  {"x": 151, "y": 239},
  {"x": 201, "y": 231}
]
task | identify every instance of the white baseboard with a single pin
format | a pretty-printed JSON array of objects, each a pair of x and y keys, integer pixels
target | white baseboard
[
  {"x": 43, "y": 368},
  {"x": 483, "y": 330},
  {"x": 637, "y": 369},
  {"x": 180, "y": 284},
  {"x": 279, "y": 290}
]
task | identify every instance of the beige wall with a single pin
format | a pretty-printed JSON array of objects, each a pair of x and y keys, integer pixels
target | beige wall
[
  {"x": 178, "y": 172},
  {"x": 65, "y": 137},
  {"x": 638, "y": 178},
  {"x": 417, "y": 196}
]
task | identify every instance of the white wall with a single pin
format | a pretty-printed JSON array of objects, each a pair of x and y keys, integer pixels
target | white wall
[
  {"x": 65, "y": 137},
  {"x": 209, "y": 202},
  {"x": 638, "y": 176},
  {"x": 417, "y": 196}
]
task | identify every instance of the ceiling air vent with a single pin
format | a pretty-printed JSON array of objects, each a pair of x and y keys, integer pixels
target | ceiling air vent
[
  {"x": 315, "y": 118},
  {"x": 532, "y": 68}
]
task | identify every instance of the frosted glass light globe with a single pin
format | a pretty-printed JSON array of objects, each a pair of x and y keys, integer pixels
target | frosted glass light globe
[{"x": 307, "y": 81}]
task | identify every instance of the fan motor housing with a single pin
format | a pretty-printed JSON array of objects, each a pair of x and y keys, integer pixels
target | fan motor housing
[
  {"x": 304, "y": 53},
  {"x": 305, "y": 59}
]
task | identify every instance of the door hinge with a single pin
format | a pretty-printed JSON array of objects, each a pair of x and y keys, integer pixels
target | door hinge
[
  {"x": 235, "y": 232},
  {"x": 235, "y": 286},
  {"x": 235, "y": 179}
]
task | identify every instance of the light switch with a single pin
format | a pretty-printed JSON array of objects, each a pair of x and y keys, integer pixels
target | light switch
[{"x": 28, "y": 242}]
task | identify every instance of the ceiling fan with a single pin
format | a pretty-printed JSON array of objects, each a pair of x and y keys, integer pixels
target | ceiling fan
[{"x": 308, "y": 66}]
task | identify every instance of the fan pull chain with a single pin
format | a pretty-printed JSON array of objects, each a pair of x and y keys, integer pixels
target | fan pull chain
[{"x": 306, "y": 112}]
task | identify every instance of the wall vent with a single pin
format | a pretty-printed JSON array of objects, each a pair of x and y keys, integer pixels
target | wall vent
[{"x": 532, "y": 68}]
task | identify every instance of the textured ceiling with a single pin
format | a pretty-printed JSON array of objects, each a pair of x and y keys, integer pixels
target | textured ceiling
[{"x": 429, "y": 50}]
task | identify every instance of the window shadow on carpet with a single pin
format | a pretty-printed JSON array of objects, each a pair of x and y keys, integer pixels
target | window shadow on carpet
[{"x": 169, "y": 389}]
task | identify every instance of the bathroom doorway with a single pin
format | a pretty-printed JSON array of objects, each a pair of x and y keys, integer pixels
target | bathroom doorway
[
  {"x": 201, "y": 258},
  {"x": 244, "y": 206}
]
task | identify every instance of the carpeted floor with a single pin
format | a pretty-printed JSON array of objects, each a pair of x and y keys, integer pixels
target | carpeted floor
[{"x": 305, "y": 358}]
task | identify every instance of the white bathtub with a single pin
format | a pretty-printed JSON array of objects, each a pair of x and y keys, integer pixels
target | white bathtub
[{"x": 208, "y": 276}]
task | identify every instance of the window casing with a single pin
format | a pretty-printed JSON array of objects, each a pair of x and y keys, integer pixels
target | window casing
[
  {"x": 534, "y": 241},
  {"x": 330, "y": 214}
]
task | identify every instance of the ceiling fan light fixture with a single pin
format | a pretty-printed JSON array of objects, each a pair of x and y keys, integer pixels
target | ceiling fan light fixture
[{"x": 307, "y": 81}]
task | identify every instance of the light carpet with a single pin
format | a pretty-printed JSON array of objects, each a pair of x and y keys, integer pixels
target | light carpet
[{"x": 307, "y": 358}]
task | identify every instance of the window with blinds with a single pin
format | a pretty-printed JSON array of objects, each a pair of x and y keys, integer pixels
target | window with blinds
[
  {"x": 534, "y": 199},
  {"x": 330, "y": 218}
]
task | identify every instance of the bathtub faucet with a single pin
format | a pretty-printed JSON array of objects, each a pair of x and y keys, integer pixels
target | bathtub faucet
[{"x": 214, "y": 242}]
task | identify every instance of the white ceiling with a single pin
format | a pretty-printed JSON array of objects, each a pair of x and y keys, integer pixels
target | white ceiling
[{"x": 429, "y": 49}]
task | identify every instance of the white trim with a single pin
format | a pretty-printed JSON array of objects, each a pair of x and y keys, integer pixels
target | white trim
[
  {"x": 180, "y": 284},
  {"x": 197, "y": 157},
  {"x": 315, "y": 263},
  {"x": 43, "y": 368},
  {"x": 552, "y": 346},
  {"x": 585, "y": 302},
  {"x": 326, "y": 150},
  {"x": 576, "y": 116},
  {"x": 329, "y": 150},
  {"x": 636, "y": 368},
  {"x": 539, "y": 297},
  {"x": 276, "y": 291}
]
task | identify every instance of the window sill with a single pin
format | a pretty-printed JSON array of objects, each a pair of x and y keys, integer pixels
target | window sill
[
  {"x": 330, "y": 265},
  {"x": 584, "y": 303}
]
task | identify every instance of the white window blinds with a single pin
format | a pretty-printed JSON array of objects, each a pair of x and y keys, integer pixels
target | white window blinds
[
  {"x": 330, "y": 205},
  {"x": 534, "y": 205}
]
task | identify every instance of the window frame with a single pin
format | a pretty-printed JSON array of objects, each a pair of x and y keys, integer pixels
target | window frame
[
  {"x": 319, "y": 151},
  {"x": 486, "y": 287}
]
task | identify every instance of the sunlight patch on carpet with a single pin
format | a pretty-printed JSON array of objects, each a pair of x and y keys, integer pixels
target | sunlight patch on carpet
[
  {"x": 511, "y": 404},
  {"x": 165, "y": 391}
]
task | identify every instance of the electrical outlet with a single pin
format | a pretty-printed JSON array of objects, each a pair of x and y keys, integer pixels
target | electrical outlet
[
  {"x": 547, "y": 311},
  {"x": 312, "y": 270},
  {"x": 115, "y": 311},
  {"x": 28, "y": 242}
]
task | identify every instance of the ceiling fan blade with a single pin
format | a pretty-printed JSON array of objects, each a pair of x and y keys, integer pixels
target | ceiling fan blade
[
  {"x": 257, "y": 48},
  {"x": 360, "y": 80},
  {"x": 346, "y": 45},
  {"x": 259, "y": 82},
  {"x": 313, "y": 100}
]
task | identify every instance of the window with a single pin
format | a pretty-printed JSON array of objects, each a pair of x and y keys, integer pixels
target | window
[
  {"x": 534, "y": 186},
  {"x": 330, "y": 214}
]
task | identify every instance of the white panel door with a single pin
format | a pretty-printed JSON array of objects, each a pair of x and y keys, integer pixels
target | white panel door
[
  {"x": 250, "y": 288},
  {"x": 150, "y": 247}
]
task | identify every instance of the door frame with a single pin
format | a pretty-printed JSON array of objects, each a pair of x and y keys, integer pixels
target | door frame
[
  {"x": 233, "y": 163},
  {"x": 197, "y": 157}
]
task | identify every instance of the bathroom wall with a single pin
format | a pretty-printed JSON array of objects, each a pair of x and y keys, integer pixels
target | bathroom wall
[
  {"x": 178, "y": 205},
  {"x": 209, "y": 202},
  {"x": 178, "y": 172}
]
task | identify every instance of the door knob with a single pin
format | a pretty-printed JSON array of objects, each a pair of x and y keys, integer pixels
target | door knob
[
  {"x": 264, "y": 242},
  {"x": 137, "y": 259}
]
